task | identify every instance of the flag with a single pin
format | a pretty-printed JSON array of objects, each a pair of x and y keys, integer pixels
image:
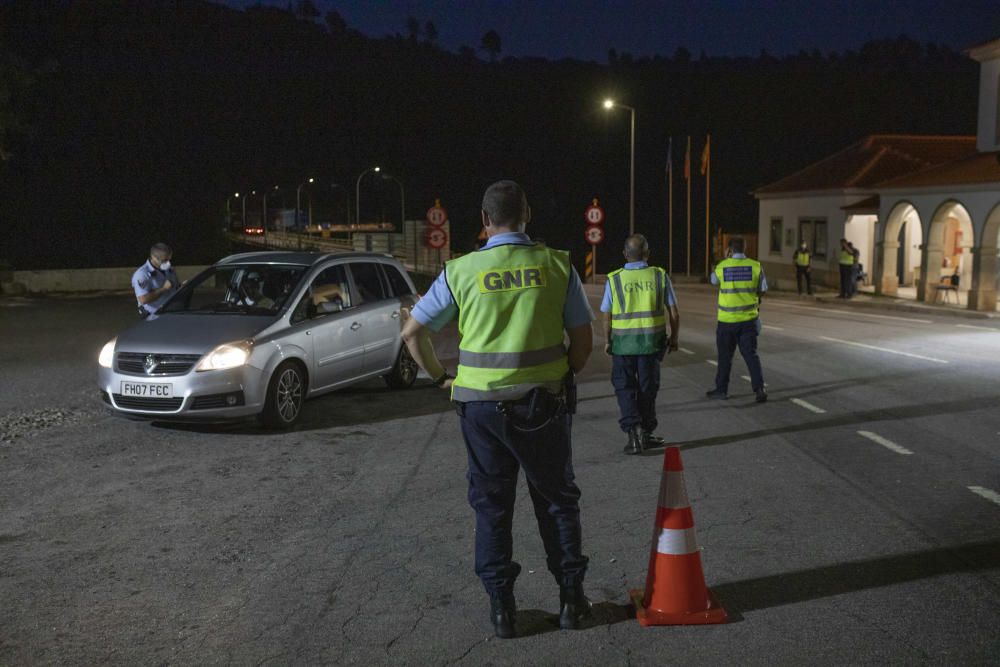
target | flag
[
  {"x": 705, "y": 154},
  {"x": 670, "y": 157},
  {"x": 687, "y": 160}
]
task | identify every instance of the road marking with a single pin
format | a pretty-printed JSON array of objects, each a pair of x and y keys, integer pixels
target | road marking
[
  {"x": 685, "y": 350},
  {"x": 884, "y": 349},
  {"x": 992, "y": 496},
  {"x": 973, "y": 326},
  {"x": 768, "y": 326},
  {"x": 808, "y": 406},
  {"x": 746, "y": 377},
  {"x": 709, "y": 361},
  {"x": 852, "y": 313},
  {"x": 888, "y": 444}
]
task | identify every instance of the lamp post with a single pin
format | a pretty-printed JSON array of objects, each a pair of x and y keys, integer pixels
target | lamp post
[
  {"x": 229, "y": 210},
  {"x": 402, "y": 200},
  {"x": 611, "y": 104},
  {"x": 298, "y": 207},
  {"x": 357, "y": 193}
]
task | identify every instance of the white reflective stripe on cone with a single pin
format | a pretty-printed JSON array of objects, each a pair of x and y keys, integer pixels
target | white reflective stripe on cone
[
  {"x": 673, "y": 493},
  {"x": 674, "y": 542}
]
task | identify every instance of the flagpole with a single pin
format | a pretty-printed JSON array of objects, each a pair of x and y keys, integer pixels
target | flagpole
[
  {"x": 708, "y": 180},
  {"x": 687, "y": 175}
]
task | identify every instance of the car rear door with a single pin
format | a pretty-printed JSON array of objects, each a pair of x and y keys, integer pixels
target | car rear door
[{"x": 380, "y": 316}]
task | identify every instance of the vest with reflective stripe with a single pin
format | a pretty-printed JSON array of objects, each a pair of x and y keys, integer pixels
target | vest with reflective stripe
[
  {"x": 638, "y": 322},
  {"x": 739, "y": 280},
  {"x": 802, "y": 259},
  {"x": 510, "y": 302},
  {"x": 846, "y": 257}
]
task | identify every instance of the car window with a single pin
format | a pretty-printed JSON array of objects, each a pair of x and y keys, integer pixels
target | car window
[
  {"x": 367, "y": 281},
  {"x": 330, "y": 286},
  {"x": 397, "y": 283},
  {"x": 243, "y": 289}
]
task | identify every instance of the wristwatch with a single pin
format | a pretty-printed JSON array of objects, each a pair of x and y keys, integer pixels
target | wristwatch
[{"x": 441, "y": 380}]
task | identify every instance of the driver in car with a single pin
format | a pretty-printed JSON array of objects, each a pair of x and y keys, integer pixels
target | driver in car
[{"x": 252, "y": 293}]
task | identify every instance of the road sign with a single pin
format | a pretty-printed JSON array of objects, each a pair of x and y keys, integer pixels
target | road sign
[
  {"x": 594, "y": 214},
  {"x": 594, "y": 234},
  {"x": 436, "y": 215},
  {"x": 436, "y": 238}
]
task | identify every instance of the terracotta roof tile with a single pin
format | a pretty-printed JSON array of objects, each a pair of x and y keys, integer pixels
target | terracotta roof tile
[{"x": 971, "y": 170}]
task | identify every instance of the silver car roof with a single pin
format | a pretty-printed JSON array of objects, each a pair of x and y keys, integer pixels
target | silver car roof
[{"x": 300, "y": 258}]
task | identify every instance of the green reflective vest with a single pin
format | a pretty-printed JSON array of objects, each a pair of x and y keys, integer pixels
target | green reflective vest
[
  {"x": 638, "y": 322},
  {"x": 739, "y": 282},
  {"x": 802, "y": 259},
  {"x": 510, "y": 302},
  {"x": 846, "y": 257}
]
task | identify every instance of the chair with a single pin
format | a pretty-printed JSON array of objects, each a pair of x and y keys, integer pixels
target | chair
[{"x": 948, "y": 285}]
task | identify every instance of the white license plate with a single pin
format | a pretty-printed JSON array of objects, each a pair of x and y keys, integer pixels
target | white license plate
[{"x": 147, "y": 389}]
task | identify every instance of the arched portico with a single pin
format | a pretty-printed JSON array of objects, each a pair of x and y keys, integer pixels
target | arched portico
[
  {"x": 900, "y": 255},
  {"x": 985, "y": 277},
  {"x": 946, "y": 251}
]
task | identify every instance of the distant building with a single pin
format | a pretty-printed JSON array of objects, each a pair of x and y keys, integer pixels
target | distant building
[{"x": 920, "y": 209}]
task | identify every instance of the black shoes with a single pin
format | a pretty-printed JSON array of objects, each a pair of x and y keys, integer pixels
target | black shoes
[
  {"x": 761, "y": 396},
  {"x": 716, "y": 394},
  {"x": 649, "y": 440},
  {"x": 635, "y": 441},
  {"x": 573, "y": 607},
  {"x": 502, "y": 611}
]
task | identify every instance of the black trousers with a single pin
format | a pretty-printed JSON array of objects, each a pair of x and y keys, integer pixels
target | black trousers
[
  {"x": 636, "y": 379},
  {"x": 802, "y": 272},
  {"x": 729, "y": 336},
  {"x": 846, "y": 275}
]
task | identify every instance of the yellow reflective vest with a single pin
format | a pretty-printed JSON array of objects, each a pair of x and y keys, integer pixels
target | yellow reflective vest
[
  {"x": 802, "y": 259},
  {"x": 739, "y": 283},
  {"x": 846, "y": 257},
  {"x": 638, "y": 320},
  {"x": 510, "y": 302}
]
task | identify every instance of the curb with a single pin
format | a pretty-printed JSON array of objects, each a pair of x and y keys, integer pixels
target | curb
[{"x": 887, "y": 303}]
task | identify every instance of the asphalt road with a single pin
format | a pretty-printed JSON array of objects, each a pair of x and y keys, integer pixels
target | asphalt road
[{"x": 853, "y": 518}]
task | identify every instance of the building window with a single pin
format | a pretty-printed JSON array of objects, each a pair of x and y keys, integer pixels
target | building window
[
  {"x": 813, "y": 232},
  {"x": 776, "y": 236}
]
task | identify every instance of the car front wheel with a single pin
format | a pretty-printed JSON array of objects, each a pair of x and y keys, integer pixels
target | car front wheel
[
  {"x": 285, "y": 394},
  {"x": 404, "y": 372}
]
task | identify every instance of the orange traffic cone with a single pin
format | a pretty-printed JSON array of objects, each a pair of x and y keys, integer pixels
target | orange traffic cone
[{"x": 675, "y": 584}]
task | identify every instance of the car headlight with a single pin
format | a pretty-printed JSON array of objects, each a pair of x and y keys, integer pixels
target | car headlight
[
  {"x": 107, "y": 356},
  {"x": 228, "y": 355}
]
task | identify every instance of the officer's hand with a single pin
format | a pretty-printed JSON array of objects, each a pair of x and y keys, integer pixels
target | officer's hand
[
  {"x": 672, "y": 346},
  {"x": 607, "y": 349},
  {"x": 447, "y": 383},
  {"x": 167, "y": 284}
]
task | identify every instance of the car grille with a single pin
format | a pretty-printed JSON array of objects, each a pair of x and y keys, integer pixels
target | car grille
[
  {"x": 152, "y": 404},
  {"x": 134, "y": 363},
  {"x": 218, "y": 401}
]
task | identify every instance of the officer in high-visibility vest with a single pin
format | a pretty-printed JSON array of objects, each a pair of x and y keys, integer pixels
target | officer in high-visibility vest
[
  {"x": 846, "y": 260},
  {"x": 514, "y": 300},
  {"x": 155, "y": 281},
  {"x": 741, "y": 284},
  {"x": 802, "y": 269},
  {"x": 637, "y": 300}
]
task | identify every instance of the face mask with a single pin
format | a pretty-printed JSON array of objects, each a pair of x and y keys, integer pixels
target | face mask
[{"x": 165, "y": 266}]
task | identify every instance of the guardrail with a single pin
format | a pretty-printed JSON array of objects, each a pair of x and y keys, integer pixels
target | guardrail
[{"x": 280, "y": 240}]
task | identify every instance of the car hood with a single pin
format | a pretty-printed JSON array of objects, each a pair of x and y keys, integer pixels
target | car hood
[{"x": 190, "y": 334}]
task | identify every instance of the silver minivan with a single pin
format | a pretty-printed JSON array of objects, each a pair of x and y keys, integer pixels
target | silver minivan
[{"x": 258, "y": 333}]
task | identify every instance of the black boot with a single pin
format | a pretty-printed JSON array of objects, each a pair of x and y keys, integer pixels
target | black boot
[
  {"x": 635, "y": 436},
  {"x": 502, "y": 610},
  {"x": 573, "y": 607},
  {"x": 649, "y": 440}
]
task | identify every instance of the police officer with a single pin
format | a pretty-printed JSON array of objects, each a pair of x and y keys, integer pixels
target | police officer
[
  {"x": 845, "y": 260},
  {"x": 802, "y": 268},
  {"x": 154, "y": 281},
  {"x": 636, "y": 298},
  {"x": 514, "y": 300},
  {"x": 741, "y": 284}
]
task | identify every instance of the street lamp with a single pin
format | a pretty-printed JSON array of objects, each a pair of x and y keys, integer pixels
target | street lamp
[
  {"x": 611, "y": 104},
  {"x": 229, "y": 211},
  {"x": 357, "y": 193},
  {"x": 298, "y": 207}
]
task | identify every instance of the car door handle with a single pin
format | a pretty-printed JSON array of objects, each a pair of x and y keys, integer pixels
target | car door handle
[
  {"x": 309, "y": 333},
  {"x": 395, "y": 314},
  {"x": 355, "y": 326}
]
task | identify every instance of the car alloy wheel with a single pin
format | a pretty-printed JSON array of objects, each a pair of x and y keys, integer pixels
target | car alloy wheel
[{"x": 289, "y": 395}]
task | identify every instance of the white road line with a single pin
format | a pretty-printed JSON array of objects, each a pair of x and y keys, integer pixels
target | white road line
[
  {"x": 992, "y": 496},
  {"x": 884, "y": 349},
  {"x": 746, "y": 377},
  {"x": 808, "y": 406},
  {"x": 973, "y": 326},
  {"x": 768, "y": 326},
  {"x": 685, "y": 350},
  {"x": 888, "y": 444},
  {"x": 709, "y": 361},
  {"x": 834, "y": 311}
]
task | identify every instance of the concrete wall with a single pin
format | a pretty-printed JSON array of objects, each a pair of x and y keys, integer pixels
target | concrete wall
[
  {"x": 988, "y": 134},
  {"x": 80, "y": 280}
]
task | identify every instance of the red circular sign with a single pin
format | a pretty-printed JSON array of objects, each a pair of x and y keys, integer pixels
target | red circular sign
[
  {"x": 437, "y": 238},
  {"x": 594, "y": 235},
  {"x": 437, "y": 216},
  {"x": 594, "y": 215}
]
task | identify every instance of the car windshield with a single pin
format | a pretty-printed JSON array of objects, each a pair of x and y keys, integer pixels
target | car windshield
[{"x": 242, "y": 289}]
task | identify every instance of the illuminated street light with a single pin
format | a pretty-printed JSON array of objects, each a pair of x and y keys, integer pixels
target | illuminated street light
[
  {"x": 298, "y": 207},
  {"x": 611, "y": 104},
  {"x": 357, "y": 193}
]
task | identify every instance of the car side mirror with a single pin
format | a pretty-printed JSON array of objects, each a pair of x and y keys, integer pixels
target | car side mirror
[{"x": 329, "y": 307}]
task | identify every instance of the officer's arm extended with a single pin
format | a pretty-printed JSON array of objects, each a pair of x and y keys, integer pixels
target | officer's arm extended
[{"x": 418, "y": 341}]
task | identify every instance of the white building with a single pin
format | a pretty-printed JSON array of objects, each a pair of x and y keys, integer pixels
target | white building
[{"x": 920, "y": 209}]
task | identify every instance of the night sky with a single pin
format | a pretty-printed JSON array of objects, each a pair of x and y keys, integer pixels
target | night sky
[{"x": 586, "y": 30}]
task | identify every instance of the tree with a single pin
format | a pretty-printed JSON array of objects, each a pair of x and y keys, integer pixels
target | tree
[
  {"x": 491, "y": 44},
  {"x": 430, "y": 32},
  {"x": 307, "y": 10},
  {"x": 335, "y": 23},
  {"x": 413, "y": 28}
]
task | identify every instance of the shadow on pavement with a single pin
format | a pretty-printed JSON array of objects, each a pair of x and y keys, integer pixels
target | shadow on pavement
[
  {"x": 791, "y": 587},
  {"x": 368, "y": 403},
  {"x": 532, "y": 622}
]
